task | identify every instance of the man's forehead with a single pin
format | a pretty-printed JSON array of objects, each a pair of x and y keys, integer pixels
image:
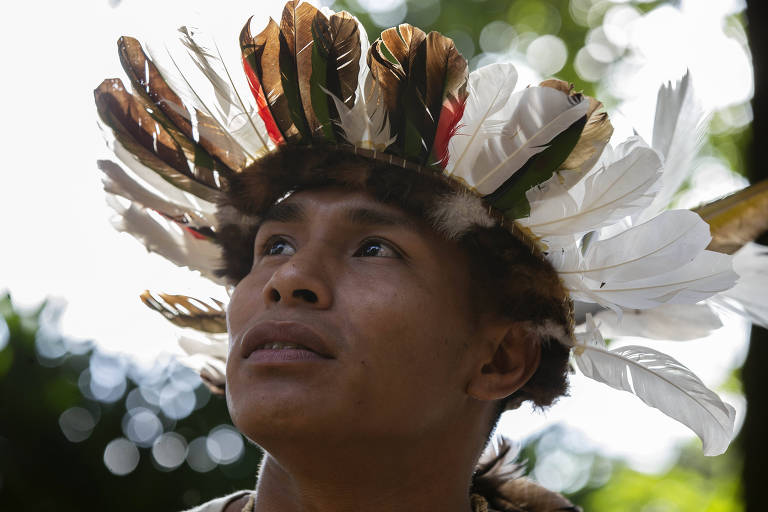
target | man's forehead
[{"x": 350, "y": 206}]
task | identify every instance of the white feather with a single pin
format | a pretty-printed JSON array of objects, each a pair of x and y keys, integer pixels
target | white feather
[
  {"x": 489, "y": 89},
  {"x": 664, "y": 243},
  {"x": 678, "y": 322},
  {"x": 236, "y": 110},
  {"x": 177, "y": 66},
  {"x": 159, "y": 186},
  {"x": 661, "y": 382},
  {"x": 117, "y": 181},
  {"x": 750, "y": 295},
  {"x": 167, "y": 239},
  {"x": 534, "y": 116},
  {"x": 708, "y": 274},
  {"x": 213, "y": 346},
  {"x": 619, "y": 187},
  {"x": 678, "y": 133}
]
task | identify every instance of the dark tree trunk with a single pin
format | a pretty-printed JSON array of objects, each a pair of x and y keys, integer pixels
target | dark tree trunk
[{"x": 755, "y": 430}]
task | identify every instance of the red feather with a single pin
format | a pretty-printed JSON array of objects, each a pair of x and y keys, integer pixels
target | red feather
[
  {"x": 266, "y": 115},
  {"x": 450, "y": 115}
]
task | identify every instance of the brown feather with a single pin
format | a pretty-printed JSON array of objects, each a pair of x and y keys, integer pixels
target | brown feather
[
  {"x": 737, "y": 219},
  {"x": 398, "y": 63},
  {"x": 146, "y": 138},
  {"x": 263, "y": 52},
  {"x": 185, "y": 311},
  {"x": 221, "y": 153},
  {"x": 296, "y": 29},
  {"x": 346, "y": 48}
]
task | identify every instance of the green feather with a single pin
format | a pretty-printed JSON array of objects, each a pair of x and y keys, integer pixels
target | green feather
[
  {"x": 510, "y": 197},
  {"x": 318, "y": 83}
]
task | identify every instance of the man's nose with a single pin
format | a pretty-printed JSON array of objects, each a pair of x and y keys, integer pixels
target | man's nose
[{"x": 303, "y": 280}]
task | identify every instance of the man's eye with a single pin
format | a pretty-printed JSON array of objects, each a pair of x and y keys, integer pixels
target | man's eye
[
  {"x": 278, "y": 246},
  {"x": 377, "y": 248}
]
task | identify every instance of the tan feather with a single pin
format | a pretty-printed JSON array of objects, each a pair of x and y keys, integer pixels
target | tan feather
[
  {"x": 188, "y": 312},
  {"x": 737, "y": 219},
  {"x": 146, "y": 138}
]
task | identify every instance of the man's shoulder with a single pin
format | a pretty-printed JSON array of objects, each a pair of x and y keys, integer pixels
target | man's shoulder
[{"x": 232, "y": 502}]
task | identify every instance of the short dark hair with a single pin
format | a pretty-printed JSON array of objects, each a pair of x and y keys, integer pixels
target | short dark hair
[{"x": 509, "y": 275}]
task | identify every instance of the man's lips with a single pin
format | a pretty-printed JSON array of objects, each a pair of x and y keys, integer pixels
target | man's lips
[{"x": 266, "y": 333}]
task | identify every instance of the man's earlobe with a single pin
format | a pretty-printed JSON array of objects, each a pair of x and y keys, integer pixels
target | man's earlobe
[{"x": 514, "y": 361}]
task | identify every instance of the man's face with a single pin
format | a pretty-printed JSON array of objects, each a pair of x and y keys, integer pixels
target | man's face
[{"x": 380, "y": 298}]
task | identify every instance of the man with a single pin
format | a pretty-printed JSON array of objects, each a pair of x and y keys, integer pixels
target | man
[
  {"x": 364, "y": 358},
  {"x": 402, "y": 244}
]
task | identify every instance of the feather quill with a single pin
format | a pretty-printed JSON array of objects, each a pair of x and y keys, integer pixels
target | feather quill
[
  {"x": 737, "y": 219},
  {"x": 661, "y": 382},
  {"x": 620, "y": 187}
]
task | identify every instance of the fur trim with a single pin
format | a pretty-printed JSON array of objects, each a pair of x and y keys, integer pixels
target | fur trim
[
  {"x": 229, "y": 215},
  {"x": 453, "y": 215}
]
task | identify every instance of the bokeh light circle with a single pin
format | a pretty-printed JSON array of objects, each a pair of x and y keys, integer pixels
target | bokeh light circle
[
  {"x": 77, "y": 424},
  {"x": 225, "y": 444},
  {"x": 197, "y": 456},
  {"x": 121, "y": 456},
  {"x": 497, "y": 37},
  {"x": 547, "y": 54},
  {"x": 142, "y": 426},
  {"x": 169, "y": 450}
]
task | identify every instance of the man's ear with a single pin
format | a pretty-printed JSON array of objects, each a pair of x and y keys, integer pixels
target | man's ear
[{"x": 514, "y": 360}]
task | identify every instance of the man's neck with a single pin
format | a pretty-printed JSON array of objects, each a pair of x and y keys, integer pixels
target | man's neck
[{"x": 343, "y": 480}]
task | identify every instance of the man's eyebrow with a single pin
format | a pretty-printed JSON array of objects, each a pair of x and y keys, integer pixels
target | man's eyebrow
[
  {"x": 374, "y": 217},
  {"x": 284, "y": 212}
]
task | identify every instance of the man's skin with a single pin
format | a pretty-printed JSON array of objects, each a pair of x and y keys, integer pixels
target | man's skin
[{"x": 396, "y": 411}]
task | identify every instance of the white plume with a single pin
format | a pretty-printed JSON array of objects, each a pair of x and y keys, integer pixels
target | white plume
[
  {"x": 149, "y": 179},
  {"x": 678, "y": 133},
  {"x": 167, "y": 239},
  {"x": 195, "y": 69},
  {"x": 489, "y": 88},
  {"x": 750, "y": 295},
  {"x": 709, "y": 273},
  {"x": 661, "y": 382},
  {"x": 677, "y": 322},
  {"x": 523, "y": 127},
  {"x": 117, "y": 181},
  {"x": 622, "y": 185},
  {"x": 664, "y": 243}
]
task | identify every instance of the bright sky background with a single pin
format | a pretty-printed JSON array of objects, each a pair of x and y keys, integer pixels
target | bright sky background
[{"x": 57, "y": 240}]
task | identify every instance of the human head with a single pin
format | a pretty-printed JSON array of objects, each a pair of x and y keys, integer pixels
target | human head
[{"x": 505, "y": 279}]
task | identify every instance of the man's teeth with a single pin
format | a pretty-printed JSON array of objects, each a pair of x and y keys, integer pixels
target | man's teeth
[{"x": 280, "y": 346}]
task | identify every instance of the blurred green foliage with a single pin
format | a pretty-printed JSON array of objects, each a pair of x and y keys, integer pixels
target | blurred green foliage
[{"x": 41, "y": 470}]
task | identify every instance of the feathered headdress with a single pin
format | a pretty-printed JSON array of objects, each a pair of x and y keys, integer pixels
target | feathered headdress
[{"x": 536, "y": 159}]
